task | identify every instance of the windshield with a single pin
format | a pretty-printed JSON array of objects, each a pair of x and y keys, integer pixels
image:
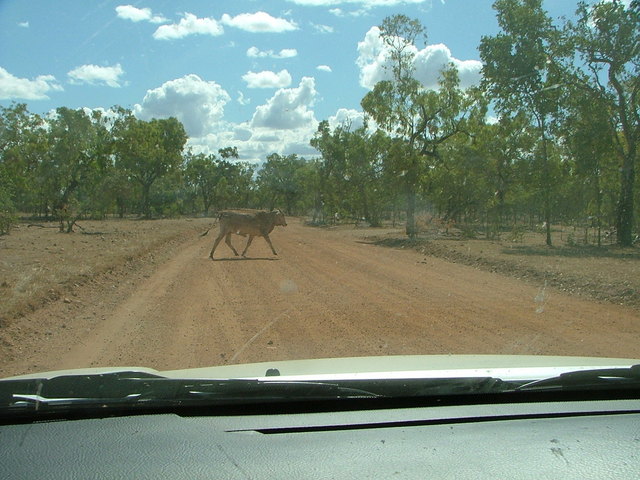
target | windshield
[{"x": 201, "y": 184}]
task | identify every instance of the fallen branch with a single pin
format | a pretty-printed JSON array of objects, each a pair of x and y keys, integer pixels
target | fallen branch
[{"x": 41, "y": 226}]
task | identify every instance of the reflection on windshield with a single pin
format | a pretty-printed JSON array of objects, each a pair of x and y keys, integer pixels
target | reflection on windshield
[{"x": 225, "y": 185}]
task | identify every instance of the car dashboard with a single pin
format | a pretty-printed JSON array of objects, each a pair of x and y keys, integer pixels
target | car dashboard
[{"x": 568, "y": 439}]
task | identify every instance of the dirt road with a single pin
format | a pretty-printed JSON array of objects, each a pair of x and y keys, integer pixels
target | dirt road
[{"x": 328, "y": 293}]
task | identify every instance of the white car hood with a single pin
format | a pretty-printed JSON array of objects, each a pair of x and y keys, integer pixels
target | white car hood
[{"x": 506, "y": 367}]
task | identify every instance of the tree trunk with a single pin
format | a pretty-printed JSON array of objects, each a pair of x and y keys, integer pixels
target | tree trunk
[
  {"x": 146, "y": 207},
  {"x": 410, "y": 228},
  {"x": 624, "y": 221},
  {"x": 546, "y": 180}
]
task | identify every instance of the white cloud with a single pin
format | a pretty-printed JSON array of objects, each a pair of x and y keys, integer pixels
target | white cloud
[
  {"x": 255, "y": 143},
  {"x": 259, "y": 22},
  {"x": 12, "y": 87},
  {"x": 289, "y": 108},
  {"x": 267, "y": 79},
  {"x": 434, "y": 58},
  {"x": 429, "y": 62},
  {"x": 23, "y": 24},
  {"x": 347, "y": 117},
  {"x": 198, "y": 104},
  {"x": 322, "y": 28},
  {"x": 129, "y": 12},
  {"x": 338, "y": 12},
  {"x": 324, "y": 68},
  {"x": 108, "y": 115},
  {"x": 189, "y": 25},
  {"x": 287, "y": 53},
  {"x": 96, "y": 75},
  {"x": 255, "y": 52},
  {"x": 242, "y": 100},
  {"x": 365, "y": 3}
]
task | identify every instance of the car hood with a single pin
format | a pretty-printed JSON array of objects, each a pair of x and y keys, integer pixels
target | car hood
[{"x": 506, "y": 367}]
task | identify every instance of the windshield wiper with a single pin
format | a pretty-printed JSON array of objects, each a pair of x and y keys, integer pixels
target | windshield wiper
[
  {"x": 597, "y": 379},
  {"x": 135, "y": 392},
  {"x": 130, "y": 392},
  {"x": 142, "y": 390}
]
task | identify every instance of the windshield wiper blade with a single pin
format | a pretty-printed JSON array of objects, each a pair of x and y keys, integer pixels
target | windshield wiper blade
[
  {"x": 602, "y": 379},
  {"x": 135, "y": 389}
]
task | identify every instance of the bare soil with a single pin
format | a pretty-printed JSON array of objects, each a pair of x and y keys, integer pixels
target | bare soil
[
  {"x": 608, "y": 273},
  {"x": 146, "y": 294}
]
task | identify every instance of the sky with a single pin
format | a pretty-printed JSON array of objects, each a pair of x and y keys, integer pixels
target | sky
[{"x": 257, "y": 75}]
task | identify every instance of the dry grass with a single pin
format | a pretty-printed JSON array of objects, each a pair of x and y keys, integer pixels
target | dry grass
[
  {"x": 40, "y": 264},
  {"x": 607, "y": 273}
]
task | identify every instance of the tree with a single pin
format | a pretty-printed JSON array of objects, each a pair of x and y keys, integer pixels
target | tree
[
  {"x": 278, "y": 181},
  {"x": 68, "y": 173},
  {"x": 523, "y": 72},
  {"x": 23, "y": 145},
  {"x": 394, "y": 105},
  {"x": 506, "y": 146},
  {"x": 422, "y": 119},
  {"x": 589, "y": 140},
  {"x": 606, "y": 35},
  {"x": 330, "y": 171},
  {"x": 147, "y": 150},
  {"x": 353, "y": 170},
  {"x": 218, "y": 181}
]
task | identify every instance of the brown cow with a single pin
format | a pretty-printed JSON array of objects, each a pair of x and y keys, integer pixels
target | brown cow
[{"x": 259, "y": 224}]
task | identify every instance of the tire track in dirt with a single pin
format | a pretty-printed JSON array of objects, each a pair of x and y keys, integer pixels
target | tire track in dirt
[{"x": 329, "y": 294}]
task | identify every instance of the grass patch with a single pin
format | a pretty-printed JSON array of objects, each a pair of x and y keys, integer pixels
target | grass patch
[{"x": 607, "y": 273}]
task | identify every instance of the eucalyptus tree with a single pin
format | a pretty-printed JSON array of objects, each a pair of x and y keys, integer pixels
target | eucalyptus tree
[
  {"x": 589, "y": 134},
  {"x": 353, "y": 165},
  {"x": 147, "y": 151},
  {"x": 607, "y": 38},
  {"x": 279, "y": 182},
  {"x": 524, "y": 72},
  {"x": 507, "y": 145},
  {"x": 23, "y": 145},
  {"x": 204, "y": 174},
  {"x": 70, "y": 170},
  {"x": 330, "y": 170},
  {"x": 421, "y": 119}
]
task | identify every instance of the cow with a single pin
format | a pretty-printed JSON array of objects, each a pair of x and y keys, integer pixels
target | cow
[{"x": 259, "y": 224}]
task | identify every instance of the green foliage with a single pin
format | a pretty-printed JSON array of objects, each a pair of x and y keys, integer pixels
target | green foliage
[
  {"x": 279, "y": 182},
  {"x": 606, "y": 38},
  {"x": 218, "y": 182},
  {"x": 563, "y": 148},
  {"x": 8, "y": 216},
  {"x": 419, "y": 120},
  {"x": 147, "y": 150}
]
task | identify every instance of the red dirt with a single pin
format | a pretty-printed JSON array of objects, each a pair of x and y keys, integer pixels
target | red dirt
[{"x": 327, "y": 294}]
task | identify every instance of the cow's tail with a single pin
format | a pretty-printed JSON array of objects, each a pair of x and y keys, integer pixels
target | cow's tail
[{"x": 212, "y": 226}]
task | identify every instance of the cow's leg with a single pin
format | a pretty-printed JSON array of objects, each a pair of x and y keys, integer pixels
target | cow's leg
[
  {"x": 215, "y": 244},
  {"x": 228, "y": 242},
  {"x": 266, "y": 237},
  {"x": 247, "y": 246}
]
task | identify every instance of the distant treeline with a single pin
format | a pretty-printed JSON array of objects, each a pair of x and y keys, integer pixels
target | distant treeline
[{"x": 564, "y": 147}]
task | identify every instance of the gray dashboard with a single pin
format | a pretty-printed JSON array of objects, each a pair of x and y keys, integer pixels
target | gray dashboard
[{"x": 571, "y": 440}]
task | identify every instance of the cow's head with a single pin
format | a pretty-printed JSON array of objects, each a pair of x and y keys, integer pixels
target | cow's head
[{"x": 278, "y": 218}]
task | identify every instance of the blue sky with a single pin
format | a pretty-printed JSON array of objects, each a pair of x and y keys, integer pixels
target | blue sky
[{"x": 258, "y": 75}]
